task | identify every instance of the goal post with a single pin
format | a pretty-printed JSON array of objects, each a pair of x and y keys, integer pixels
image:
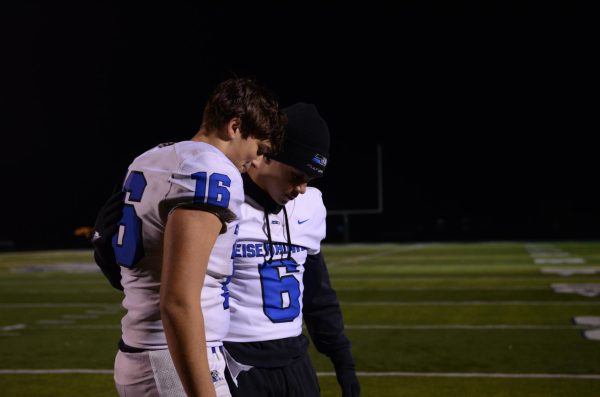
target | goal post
[{"x": 347, "y": 212}]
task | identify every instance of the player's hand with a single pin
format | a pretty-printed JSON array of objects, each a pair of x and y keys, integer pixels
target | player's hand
[
  {"x": 105, "y": 227},
  {"x": 348, "y": 381}
]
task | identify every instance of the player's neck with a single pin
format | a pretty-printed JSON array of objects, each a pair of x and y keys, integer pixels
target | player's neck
[{"x": 212, "y": 138}]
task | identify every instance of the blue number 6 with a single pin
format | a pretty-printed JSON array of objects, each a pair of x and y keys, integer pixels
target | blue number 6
[{"x": 281, "y": 293}]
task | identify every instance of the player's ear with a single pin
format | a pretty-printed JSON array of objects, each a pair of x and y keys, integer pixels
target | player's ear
[{"x": 233, "y": 127}]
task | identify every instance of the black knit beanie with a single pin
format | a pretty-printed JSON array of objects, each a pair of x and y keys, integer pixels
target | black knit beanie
[{"x": 306, "y": 140}]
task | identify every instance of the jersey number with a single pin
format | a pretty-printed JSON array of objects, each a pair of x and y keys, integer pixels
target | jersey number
[
  {"x": 128, "y": 243},
  {"x": 281, "y": 290}
]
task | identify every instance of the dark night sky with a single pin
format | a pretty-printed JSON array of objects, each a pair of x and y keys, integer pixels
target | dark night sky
[{"x": 483, "y": 112}]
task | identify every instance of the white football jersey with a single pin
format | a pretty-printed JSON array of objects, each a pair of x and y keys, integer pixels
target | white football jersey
[
  {"x": 265, "y": 299},
  {"x": 158, "y": 181}
]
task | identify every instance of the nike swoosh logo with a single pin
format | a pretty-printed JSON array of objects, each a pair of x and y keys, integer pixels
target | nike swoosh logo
[{"x": 301, "y": 222}]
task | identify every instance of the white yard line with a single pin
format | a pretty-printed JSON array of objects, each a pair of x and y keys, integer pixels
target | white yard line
[
  {"x": 54, "y": 371},
  {"x": 472, "y": 303},
  {"x": 78, "y": 326},
  {"x": 559, "y": 261},
  {"x": 365, "y": 326},
  {"x": 364, "y": 258},
  {"x": 471, "y": 375},
  {"x": 54, "y": 322},
  {"x": 407, "y": 277},
  {"x": 399, "y": 289},
  {"x": 54, "y": 305},
  {"x": 566, "y": 272},
  {"x": 329, "y": 374},
  {"x": 348, "y": 303},
  {"x": 76, "y": 291},
  {"x": 590, "y": 321},
  {"x": 13, "y": 327},
  {"x": 466, "y": 327}
]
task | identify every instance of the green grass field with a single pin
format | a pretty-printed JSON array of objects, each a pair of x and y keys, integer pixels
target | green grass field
[{"x": 425, "y": 320}]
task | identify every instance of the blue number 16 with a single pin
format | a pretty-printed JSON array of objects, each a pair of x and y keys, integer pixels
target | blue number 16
[{"x": 128, "y": 242}]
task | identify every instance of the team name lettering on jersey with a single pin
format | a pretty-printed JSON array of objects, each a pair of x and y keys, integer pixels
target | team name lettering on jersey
[{"x": 252, "y": 250}]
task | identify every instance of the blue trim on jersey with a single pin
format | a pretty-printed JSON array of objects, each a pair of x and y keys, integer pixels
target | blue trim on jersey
[{"x": 225, "y": 293}]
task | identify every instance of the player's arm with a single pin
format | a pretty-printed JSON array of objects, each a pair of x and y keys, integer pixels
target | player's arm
[
  {"x": 325, "y": 324},
  {"x": 105, "y": 227},
  {"x": 189, "y": 238}
]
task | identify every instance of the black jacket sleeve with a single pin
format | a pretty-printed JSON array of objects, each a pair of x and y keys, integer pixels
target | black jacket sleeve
[
  {"x": 325, "y": 324},
  {"x": 105, "y": 227}
]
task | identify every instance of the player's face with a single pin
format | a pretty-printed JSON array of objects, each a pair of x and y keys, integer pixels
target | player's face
[
  {"x": 249, "y": 150},
  {"x": 283, "y": 182}
]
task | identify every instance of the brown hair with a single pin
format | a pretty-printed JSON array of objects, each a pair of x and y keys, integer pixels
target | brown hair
[{"x": 255, "y": 105}]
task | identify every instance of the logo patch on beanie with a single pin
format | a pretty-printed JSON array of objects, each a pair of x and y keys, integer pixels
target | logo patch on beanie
[{"x": 320, "y": 160}]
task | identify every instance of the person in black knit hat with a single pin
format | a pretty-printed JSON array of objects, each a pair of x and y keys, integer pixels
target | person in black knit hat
[
  {"x": 306, "y": 143},
  {"x": 280, "y": 276}
]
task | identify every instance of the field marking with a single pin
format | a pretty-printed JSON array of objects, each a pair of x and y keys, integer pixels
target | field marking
[
  {"x": 79, "y": 291},
  {"x": 592, "y": 334},
  {"x": 566, "y": 272},
  {"x": 14, "y": 327},
  {"x": 471, "y": 303},
  {"x": 54, "y": 322},
  {"x": 54, "y": 305},
  {"x": 79, "y": 316},
  {"x": 45, "y": 254},
  {"x": 52, "y": 281},
  {"x": 584, "y": 289},
  {"x": 349, "y": 303},
  {"x": 105, "y": 311},
  {"x": 329, "y": 374},
  {"x": 363, "y": 258},
  {"x": 360, "y": 327},
  {"x": 54, "y": 371},
  {"x": 590, "y": 321},
  {"x": 466, "y": 327},
  {"x": 471, "y": 375},
  {"x": 62, "y": 267},
  {"x": 407, "y": 277},
  {"x": 559, "y": 261},
  {"x": 536, "y": 288},
  {"x": 578, "y": 325},
  {"x": 78, "y": 326}
]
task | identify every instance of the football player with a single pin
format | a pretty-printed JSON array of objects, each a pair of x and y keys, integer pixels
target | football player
[
  {"x": 280, "y": 276},
  {"x": 173, "y": 244}
]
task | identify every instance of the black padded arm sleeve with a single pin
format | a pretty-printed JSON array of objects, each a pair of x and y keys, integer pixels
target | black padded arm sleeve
[{"x": 105, "y": 227}]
